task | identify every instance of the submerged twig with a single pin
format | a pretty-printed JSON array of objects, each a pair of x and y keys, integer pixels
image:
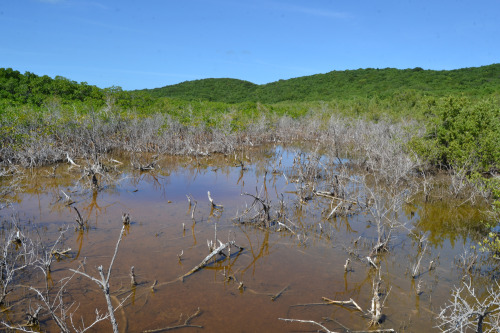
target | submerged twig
[
  {"x": 307, "y": 322},
  {"x": 186, "y": 324},
  {"x": 278, "y": 294}
]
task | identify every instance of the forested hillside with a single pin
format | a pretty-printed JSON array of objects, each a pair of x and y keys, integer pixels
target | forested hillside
[
  {"x": 389, "y": 83},
  {"x": 460, "y": 108},
  {"x": 381, "y": 83},
  {"x": 220, "y": 90}
]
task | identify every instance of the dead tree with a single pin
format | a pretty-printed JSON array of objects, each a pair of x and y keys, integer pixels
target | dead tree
[
  {"x": 103, "y": 283},
  {"x": 52, "y": 300},
  {"x": 467, "y": 310},
  {"x": 17, "y": 253}
]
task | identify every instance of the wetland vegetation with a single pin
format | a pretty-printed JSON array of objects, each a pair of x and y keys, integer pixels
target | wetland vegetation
[{"x": 372, "y": 208}]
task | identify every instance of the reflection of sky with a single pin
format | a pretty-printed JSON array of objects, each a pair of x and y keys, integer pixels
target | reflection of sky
[{"x": 269, "y": 256}]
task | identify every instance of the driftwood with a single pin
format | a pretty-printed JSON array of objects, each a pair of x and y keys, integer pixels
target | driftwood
[
  {"x": 350, "y": 303},
  {"x": 212, "y": 254}
]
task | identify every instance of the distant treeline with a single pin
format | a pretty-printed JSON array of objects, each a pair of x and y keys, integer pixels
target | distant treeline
[
  {"x": 388, "y": 83},
  {"x": 364, "y": 83},
  {"x": 18, "y": 89},
  {"x": 460, "y": 109}
]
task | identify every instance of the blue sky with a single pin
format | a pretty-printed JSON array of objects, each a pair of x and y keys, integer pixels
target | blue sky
[{"x": 148, "y": 44}]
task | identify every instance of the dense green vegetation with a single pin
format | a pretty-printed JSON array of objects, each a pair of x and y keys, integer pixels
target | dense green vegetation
[
  {"x": 220, "y": 90},
  {"x": 29, "y": 89},
  {"x": 460, "y": 108},
  {"x": 361, "y": 83}
]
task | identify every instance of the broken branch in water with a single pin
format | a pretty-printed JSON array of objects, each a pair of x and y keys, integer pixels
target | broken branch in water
[
  {"x": 193, "y": 209},
  {"x": 214, "y": 205},
  {"x": 277, "y": 295},
  {"x": 371, "y": 262},
  {"x": 61, "y": 253},
  {"x": 350, "y": 303},
  {"x": 79, "y": 220},
  {"x": 154, "y": 285},
  {"x": 126, "y": 218},
  {"x": 347, "y": 266},
  {"x": 186, "y": 324},
  {"x": 67, "y": 199},
  {"x": 71, "y": 161},
  {"x": 212, "y": 254},
  {"x": 133, "y": 282},
  {"x": 307, "y": 322}
]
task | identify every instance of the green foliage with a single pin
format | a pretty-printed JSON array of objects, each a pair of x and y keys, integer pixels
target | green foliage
[
  {"x": 31, "y": 89},
  {"x": 218, "y": 90},
  {"x": 460, "y": 108},
  {"x": 407, "y": 86},
  {"x": 466, "y": 133}
]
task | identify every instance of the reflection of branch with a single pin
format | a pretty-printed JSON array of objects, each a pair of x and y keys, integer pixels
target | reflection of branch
[
  {"x": 186, "y": 324},
  {"x": 263, "y": 247}
]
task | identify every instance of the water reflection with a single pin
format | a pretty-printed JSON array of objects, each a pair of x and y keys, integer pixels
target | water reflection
[{"x": 308, "y": 257}]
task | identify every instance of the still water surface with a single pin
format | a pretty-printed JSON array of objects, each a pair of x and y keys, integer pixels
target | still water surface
[{"x": 304, "y": 266}]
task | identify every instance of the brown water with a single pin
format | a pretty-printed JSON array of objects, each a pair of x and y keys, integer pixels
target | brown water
[{"x": 308, "y": 266}]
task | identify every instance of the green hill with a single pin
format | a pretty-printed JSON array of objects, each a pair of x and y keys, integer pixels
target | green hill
[
  {"x": 383, "y": 83},
  {"x": 220, "y": 90}
]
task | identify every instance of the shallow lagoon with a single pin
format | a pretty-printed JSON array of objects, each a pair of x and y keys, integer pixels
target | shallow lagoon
[{"x": 298, "y": 267}]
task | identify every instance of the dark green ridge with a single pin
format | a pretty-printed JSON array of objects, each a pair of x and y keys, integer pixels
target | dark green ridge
[
  {"x": 31, "y": 89},
  {"x": 382, "y": 83}
]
